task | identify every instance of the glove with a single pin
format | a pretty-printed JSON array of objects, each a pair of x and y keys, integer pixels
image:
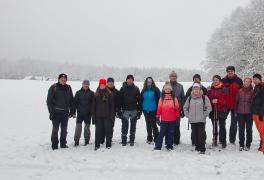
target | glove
[
  {"x": 182, "y": 114},
  {"x": 158, "y": 121},
  {"x": 119, "y": 115},
  {"x": 139, "y": 113},
  {"x": 52, "y": 116},
  {"x": 261, "y": 117},
  {"x": 93, "y": 120}
]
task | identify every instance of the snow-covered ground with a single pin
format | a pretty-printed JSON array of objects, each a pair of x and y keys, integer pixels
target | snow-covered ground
[{"x": 25, "y": 151}]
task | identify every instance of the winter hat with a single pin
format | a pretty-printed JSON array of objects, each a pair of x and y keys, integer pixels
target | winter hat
[
  {"x": 230, "y": 68},
  {"x": 62, "y": 75},
  {"x": 217, "y": 77},
  {"x": 130, "y": 77},
  {"x": 173, "y": 73},
  {"x": 86, "y": 82},
  {"x": 257, "y": 76},
  {"x": 196, "y": 85},
  {"x": 102, "y": 82},
  {"x": 198, "y": 76},
  {"x": 110, "y": 79}
]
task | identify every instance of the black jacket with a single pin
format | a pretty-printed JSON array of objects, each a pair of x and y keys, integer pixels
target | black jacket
[
  {"x": 116, "y": 96},
  {"x": 60, "y": 99},
  {"x": 103, "y": 105},
  {"x": 189, "y": 91},
  {"x": 130, "y": 97},
  {"x": 83, "y": 101},
  {"x": 257, "y": 105}
]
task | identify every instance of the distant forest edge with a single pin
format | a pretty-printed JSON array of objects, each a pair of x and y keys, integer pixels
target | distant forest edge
[{"x": 46, "y": 70}]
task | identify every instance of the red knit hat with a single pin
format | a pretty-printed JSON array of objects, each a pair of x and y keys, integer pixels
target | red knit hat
[{"x": 102, "y": 81}]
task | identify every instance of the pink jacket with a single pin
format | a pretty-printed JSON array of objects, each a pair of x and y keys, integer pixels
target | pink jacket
[{"x": 167, "y": 110}]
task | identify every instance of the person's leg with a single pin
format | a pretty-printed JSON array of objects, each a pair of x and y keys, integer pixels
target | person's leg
[
  {"x": 133, "y": 125},
  {"x": 171, "y": 129},
  {"x": 64, "y": 127},
  {"x": 215, "y": 131},
  {"x": 108, "y": 131},
  {"x": 192, "y": 136},
  {"x": 255, "y": 118},
  {"x": 222, "y": 131},
  {"x": 112, "y": 128},
  {"x": 124, "y": 129},
  {"x": 233, "y": 128},
  {"x": 87, "y": 131},
  {"x": 201, "y": 136},
  {"x": 154, "y": 126},
  {"x": 78, "y": 130},
  {"x": 194, "y": 131},
  {"x": 261, "y": 132},
  {"x": 98, "y": 132},
  {"x": 54, "y": 133},
  {"x": 249, "y": 124},
  {"x": 163, "y": 132},
  {"x": 148, "y": 126},
  {"x": 241, "y": 125},
  {"x": 177, "y": 132}
]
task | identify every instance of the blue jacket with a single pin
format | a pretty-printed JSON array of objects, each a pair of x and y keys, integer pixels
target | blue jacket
[{"x": 150, "y": 98}]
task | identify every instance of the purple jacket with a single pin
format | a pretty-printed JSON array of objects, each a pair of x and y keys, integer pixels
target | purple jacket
[{"x": 243, "y": 101}]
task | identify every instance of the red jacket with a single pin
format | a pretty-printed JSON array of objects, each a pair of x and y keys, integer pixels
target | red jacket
[
  {"x": 167, "y": 109},
  {"x": 220, "y": 94},
  {"x": 233, "y": 85}
]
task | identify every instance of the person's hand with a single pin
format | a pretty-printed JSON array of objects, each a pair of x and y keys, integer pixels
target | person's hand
[
  {"x": 74, "y": 116},
  {"x": 158, "y": 121},
  {"x": 93, "y": 120},
  {"x": 139, "y": 113},
  {"x": 119, "y": 115},
  {"x": 215, "y": 101},
  {"x": 182, "y": 114},
  {"x": 52, "y": 116},
  {"x": 261, "y": 117}
]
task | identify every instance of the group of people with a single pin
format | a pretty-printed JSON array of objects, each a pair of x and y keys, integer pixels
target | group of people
[{"x": 161, "y": 108}]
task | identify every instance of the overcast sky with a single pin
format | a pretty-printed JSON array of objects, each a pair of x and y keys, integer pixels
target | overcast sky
[{"x": 112, "y": 32}]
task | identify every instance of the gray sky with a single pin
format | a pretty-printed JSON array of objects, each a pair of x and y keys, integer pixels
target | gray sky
[{"x": 111, "y": 32}]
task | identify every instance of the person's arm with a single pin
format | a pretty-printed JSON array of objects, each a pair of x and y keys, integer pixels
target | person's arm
[
  {"x": 71, "y": 102},
  {"x": 112, "y": 106},
  {"x": 208, "y": 107},
  {"x": 139, "y": 100},
  {"x": 186, "y": 107},
  {"x": 159, "y": 109},
  {"x": 94, "y": 111},
  {"x": 177, "y": 107},
  {"x": 50, "y": 97},
  {"x": 76, "y": 102}
]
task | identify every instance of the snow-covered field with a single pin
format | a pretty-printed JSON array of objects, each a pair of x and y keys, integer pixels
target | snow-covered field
[{"x": 25, "y": 151}]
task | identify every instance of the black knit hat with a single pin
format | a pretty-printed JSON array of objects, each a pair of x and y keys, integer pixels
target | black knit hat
[
  {"x": 130, "y": 77},
  {"x": 230, "y": 68},
  {"x": 110, "y": 79},
  {"x": 198, "y": 76},
  {"x": 63, "y": 75},
  {"x": 217, "y": 77},
  {"x": 257, "y": 76}
]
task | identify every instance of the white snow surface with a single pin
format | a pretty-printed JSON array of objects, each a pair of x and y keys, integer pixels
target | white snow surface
[{"x": 25, "y": 151}]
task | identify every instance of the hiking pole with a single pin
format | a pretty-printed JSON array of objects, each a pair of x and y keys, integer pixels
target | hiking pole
[
  {"x": 188, "y": 125},
  {"x": 215, "y": 122}
]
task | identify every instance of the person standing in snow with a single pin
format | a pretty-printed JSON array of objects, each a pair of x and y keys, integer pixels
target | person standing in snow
[
  {"x": 150, "y": 95},
  {"x": 243, "y": 113},
  {"x": 83, "y": 101},
  {"x": 218, "y": 98},
  {"x": 168, "y": 114},
  {"x": 233, "y": 83},
  {"x": 130, "y": 109},
  {"x": 178, "y": 92},
  {"x": 197, "y": 107},
  {"x": 102, "y": 114},
  {"x": 60, "y": 104},
  {"x": 196, "y": 79},
  {"x": 257, "y": 108}
]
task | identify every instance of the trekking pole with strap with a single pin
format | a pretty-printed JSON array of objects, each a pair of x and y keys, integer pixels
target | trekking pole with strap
[{"x": 215, "y": 122}]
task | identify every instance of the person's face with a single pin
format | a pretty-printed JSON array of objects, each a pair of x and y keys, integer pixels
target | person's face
[
  {"x": 216, "y": 81},
  {"x": 102, "y": 86},
  {"x": 167, "y": 90},
  {"x": 130, "y": 81},
  {"x": 62, "y": 81},
  {"x": 85, "y": 86},
  {"x": 256, "y": 81},
  {"x": 230, "y": 73},
  {"x": 149, "y": 82},
  {"x": 247, "y": 83},
  {"x": 196, "y": 91},
  {"x": 197, "y": 80},
  {"x": 110, "y": 85},
  {"x": 173, "y": 77}
]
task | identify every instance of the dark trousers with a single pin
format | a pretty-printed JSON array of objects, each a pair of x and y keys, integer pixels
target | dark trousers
[
  {"x": 233, "y": 127},
  {"x": 198, "y": 130},
  {"x": 151, "y": 125},
  {"x": 222, "y": 130},
  {"x": 176, "y": 134},
  {"x": 245, "y": 122},
  {"x": 132, "y": 116},
  {"x": 60, "y": 120},
  {"x": 167, "y": 128},
  {"x": 112, "y": 132},
  {"x": 103, "y": 126}
]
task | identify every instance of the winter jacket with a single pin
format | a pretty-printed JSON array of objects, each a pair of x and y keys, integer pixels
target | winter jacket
[
  {"x": 219, "y": 93},
  {"x": 233, "y": 86},
  {"x": 244, "y": 101},
  {"x": 150, "y": 99},
  {"x": 116, "y": 95},
  {"x": 83, "y": 101},
  {"x": 189, "y": 91},
  {"x": 168, "y": 109},
  {"x": 179, "y": 93},
  {"x": 257, "y": 106},
  {"x": 196, "y": 110},
  {"x": 130, "y": 97},
  {"x": 103, "y": 105},
  {"x": 60, "y": 99}
]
